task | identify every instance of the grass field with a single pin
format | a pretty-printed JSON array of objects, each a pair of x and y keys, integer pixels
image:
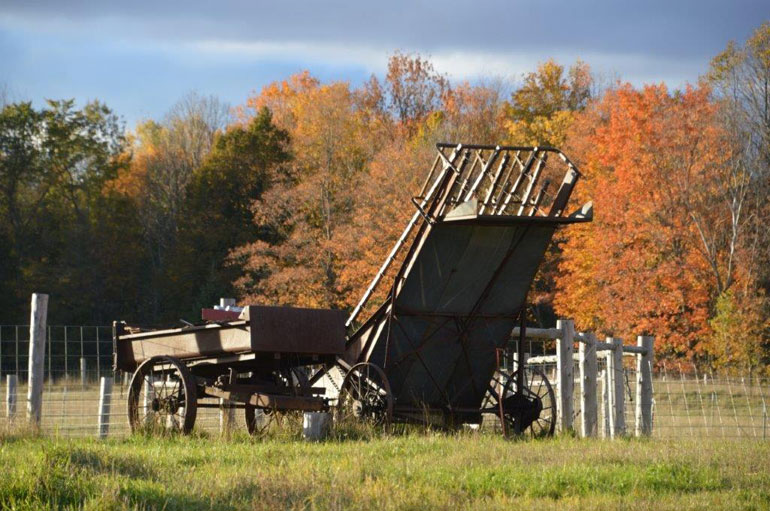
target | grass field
[{"x": 411, "y": 471}]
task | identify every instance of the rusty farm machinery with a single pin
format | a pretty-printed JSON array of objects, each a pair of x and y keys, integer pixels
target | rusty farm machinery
[{"x": 437, "y": 317}]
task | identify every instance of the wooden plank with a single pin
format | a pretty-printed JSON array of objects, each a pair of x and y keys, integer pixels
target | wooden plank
[
  {"x": 605, "y": 403},
  {"x": 537, "y": 333},
  {"x": 247, "y": 388},
  {"x": 304, "y": 403},
  {"x": 10, "y": 396}
]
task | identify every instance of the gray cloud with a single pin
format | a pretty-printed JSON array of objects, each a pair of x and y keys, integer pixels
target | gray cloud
[
  {"x": 670, "y": 28},
  {"x": 141, "y": 55}
]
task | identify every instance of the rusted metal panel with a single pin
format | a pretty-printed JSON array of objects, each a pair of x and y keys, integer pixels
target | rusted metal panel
[
  {"x": 459, "y": 302},
  {"x": 219, "y": 315},
  {"x": 296, "y": 330}
]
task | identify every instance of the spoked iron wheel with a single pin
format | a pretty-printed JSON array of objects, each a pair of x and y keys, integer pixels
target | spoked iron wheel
[
  {"x": 162, "y": 397},
  {"x": 365, "y": 396},
  {"x": 529, "y": 411}
]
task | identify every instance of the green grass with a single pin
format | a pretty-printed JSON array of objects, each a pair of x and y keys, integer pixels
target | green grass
[{"x": 411, "y": 471}]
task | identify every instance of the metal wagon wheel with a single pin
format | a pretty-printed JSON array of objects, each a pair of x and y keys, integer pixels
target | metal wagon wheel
[
  {"x": 365, "y": 396},
  {"x": 530, "y": 411},
  {"x": 162, "y": 397}
]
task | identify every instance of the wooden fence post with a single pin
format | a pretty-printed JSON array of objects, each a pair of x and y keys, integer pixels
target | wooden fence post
[
  {"x": 605, "y": 404},
  {"x": 644, "y": 386},
  {"x": 82, "y": 372},
  {"x": 565, "y": 366},
  {"x": 588, "y": 370},
  {"x": 617, "y": 396},
  {"x": 10, "y": 396},
  {"x": 37, "y": 330},
  {"x": 105, "y": 397},
  {"x": 226, "y": 417}
]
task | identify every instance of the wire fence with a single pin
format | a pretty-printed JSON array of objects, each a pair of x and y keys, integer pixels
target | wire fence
[
  {"x": 76, "y": 359},
  {"x": 73, "y": 353},
  {"x": 685, "y": 402}
]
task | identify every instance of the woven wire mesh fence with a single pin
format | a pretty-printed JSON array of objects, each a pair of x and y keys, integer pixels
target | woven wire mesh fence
[
  {"x": 686, "y": 401},
  {"x": 76, "y": 359}
]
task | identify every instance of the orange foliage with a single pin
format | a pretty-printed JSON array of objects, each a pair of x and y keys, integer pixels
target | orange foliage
[
  {"x": 313, "y": 200},
  {"x": 358, "y": 156},
  {"x": 650, "y": 161}
]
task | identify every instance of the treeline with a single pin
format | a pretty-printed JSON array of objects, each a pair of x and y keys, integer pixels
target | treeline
[{"x": 296, "y": 196}]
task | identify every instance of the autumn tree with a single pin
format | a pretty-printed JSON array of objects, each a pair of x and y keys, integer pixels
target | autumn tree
[
  {"x": 739, "y": 77},
  {"x": 164, "y": 160},
  {"x": 541, "y": 111},
  {"x": 469, "y": 113},
  {"x": 653, "y": 164},
  {"x": 413, "y": 89},
  {"x": 308, "y": 203}
]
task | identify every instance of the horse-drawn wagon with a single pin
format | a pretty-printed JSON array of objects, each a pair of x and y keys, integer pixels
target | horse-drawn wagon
[{"x": 441, "y": 310}]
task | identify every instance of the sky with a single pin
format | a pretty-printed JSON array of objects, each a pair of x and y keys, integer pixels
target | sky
[{"x": 141, "y": 56}]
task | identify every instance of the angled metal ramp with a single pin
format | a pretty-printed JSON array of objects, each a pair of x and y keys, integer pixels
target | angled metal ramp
[{"x": 464, "y": 264}]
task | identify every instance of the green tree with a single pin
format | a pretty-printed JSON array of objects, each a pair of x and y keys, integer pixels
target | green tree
[
  {"x": 218, "y": 216},
  {"x": 53, "y": 165}
]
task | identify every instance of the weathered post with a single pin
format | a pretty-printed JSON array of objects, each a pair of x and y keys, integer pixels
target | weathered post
[
  {"x": 226, "y": 417},
  {"x": 227, "y": 410},
  {"x": 605, "y": 404},
  {"x": 588, "y": 370},
  {"x": 105, "y": 398},
  {"x": 37, "y": 330},
  {"x": 83, "y": 372},
  {"x": 564, "y": 366},
  {"x": 10, "y": 396},
  {"x": 617, "y": 396},
  {"x": 644, "y": 386}
]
